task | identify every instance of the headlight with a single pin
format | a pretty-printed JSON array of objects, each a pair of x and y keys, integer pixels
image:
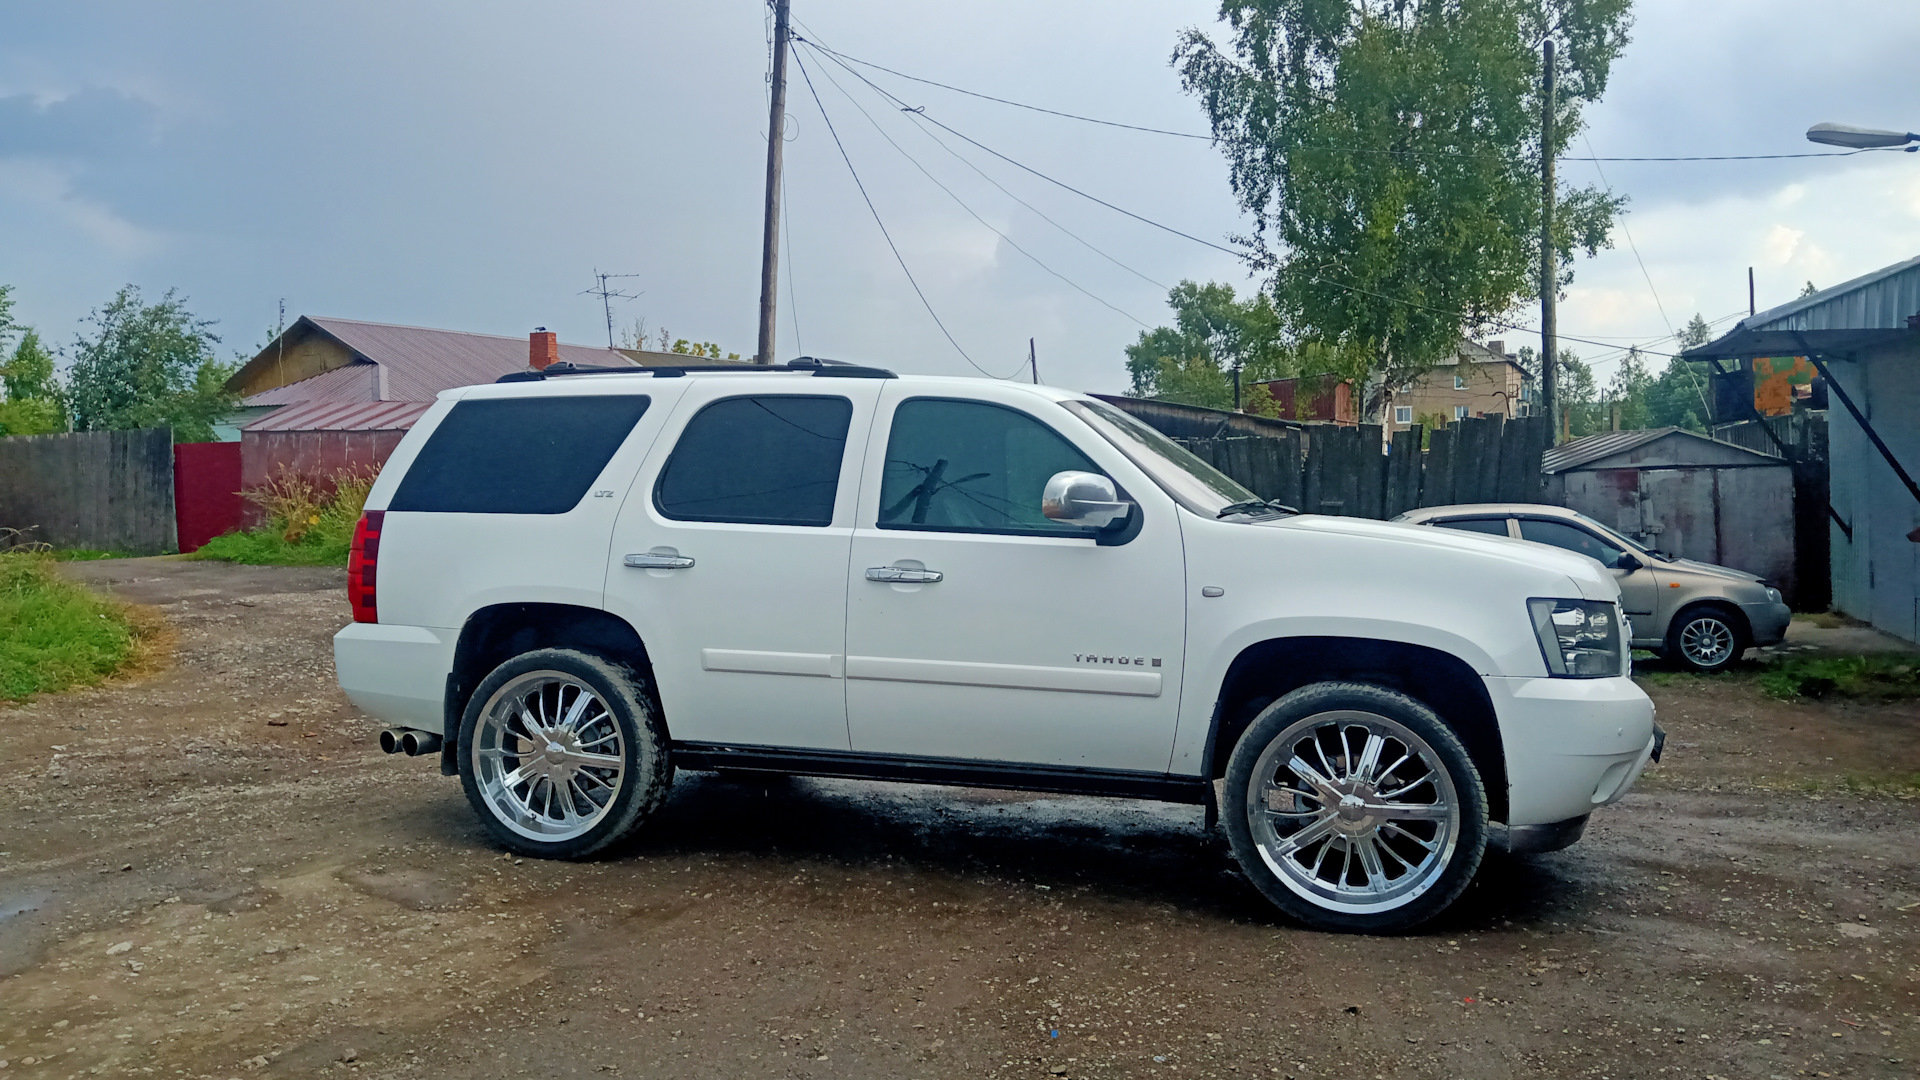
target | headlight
[
  {"x": 1773, "y": 594},
  {"x": 1580, "y": 639}
]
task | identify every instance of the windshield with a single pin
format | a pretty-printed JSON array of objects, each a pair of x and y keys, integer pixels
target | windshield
[
  {"x": 1620, "y": 541},
  {"x": 1192, "y": 482}
]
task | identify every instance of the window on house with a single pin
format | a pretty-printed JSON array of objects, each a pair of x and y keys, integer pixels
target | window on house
[
  {"x": 767, "y": 460},
  {"x": 1523, "y": 409},
  {"x": 1403, "y": 414},
  {"x": 1461, "y": 412},
  {"x": 1459, "y": 382}
]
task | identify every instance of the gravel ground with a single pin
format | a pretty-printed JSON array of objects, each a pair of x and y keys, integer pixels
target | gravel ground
[{"x": 214, "y": 872}]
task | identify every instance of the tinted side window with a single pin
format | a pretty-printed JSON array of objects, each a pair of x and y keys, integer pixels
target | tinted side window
[
  {"x": 766, "y": 460},
  {"x": 1490, "y": 526},
  {"x": 532, "y": 455},
  {"x": 1562, "y": 535},
  {"x": 969, "y": 466}
]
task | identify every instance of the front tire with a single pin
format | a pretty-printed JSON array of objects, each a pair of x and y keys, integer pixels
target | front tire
[
  {"x": 562, "y": 753},
  {"x": 1706, "y": 640},
  {"x": 1355, "y": 808}
]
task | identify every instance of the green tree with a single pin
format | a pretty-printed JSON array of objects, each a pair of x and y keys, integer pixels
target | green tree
[
  {"x": 1213, "y": 333},
  {"x": 33, "y": 404},
  {"x": 1388, "y": 151},
  {"x": 148, "y": 365}
]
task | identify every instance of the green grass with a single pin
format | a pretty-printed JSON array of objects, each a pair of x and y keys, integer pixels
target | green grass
[
  {"x": 55, "y": 634},
  {"x": 266, "y": 546},
  {"x": 87, "y": 555},
  {"x": 1873, "y": 676}
]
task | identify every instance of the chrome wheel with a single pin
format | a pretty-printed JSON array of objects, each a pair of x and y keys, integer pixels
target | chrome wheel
[
  {"x": 548, "y": 756},
  {"x": 1706, "y": 641},
  {"x": 1353, "y": 811}
]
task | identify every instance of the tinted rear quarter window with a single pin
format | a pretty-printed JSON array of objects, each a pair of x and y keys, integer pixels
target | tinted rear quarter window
[
  {"x": 771, "y": 459},
  {"x": 531, "y": 455},
  {"x": 1490, "y": 526}
]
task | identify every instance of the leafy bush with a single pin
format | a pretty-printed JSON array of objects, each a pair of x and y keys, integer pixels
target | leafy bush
[
  {"x": 1882, "y": 676},
  {"x": 55, "y": 634},
  {"x": 309, "y": 522}
]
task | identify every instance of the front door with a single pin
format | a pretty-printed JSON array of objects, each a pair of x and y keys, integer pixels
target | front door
[
  {"x": 730, "y": 558},
  {"x": 1639, "y": 590},
  {"x": 979, "y": 629}
]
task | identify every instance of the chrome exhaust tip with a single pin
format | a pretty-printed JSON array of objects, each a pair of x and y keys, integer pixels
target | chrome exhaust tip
[
  {"x": 391, "y": 739},
  {"x": 415, "y": 743}
]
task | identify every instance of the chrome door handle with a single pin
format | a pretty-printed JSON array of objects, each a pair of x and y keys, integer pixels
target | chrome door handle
[
  {"x": 903, "y": 575},
  {"x": 657, "y": 560}
]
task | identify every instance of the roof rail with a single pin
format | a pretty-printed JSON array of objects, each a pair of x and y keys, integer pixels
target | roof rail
[{"x": 816, "y": 366}]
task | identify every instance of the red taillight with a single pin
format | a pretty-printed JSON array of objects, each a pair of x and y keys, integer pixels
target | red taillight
[{"x": 363, "y": 565}]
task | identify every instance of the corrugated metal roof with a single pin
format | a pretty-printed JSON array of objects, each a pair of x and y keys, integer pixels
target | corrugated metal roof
[
  {"x": 1594, "y": 447},
  {"x": 411, "y": 363},
  {"x": 1881, "y": 300},
  {"x": 420, "y": 362},
  {"x": 342, "y": 416},
  {"x": 358, "y": 381},
  {"x": 1581, "y": 451}
]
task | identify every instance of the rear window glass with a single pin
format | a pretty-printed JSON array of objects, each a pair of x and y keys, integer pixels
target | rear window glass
[
  {"x": 771, "y": 459},
  {"x": 532, "y": 455}
]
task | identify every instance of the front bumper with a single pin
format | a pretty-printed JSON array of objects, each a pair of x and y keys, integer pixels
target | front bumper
[
  {"x": 1572, "y": 745},
  {"x": 1768, "y": 621}
]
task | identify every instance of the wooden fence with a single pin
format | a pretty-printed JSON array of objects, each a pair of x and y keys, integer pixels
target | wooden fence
[
  {"x": 1334, "y": 469},
  {"x": 106, "y": 490}
]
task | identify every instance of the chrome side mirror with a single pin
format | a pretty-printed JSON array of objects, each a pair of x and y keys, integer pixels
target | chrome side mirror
[{"x": 1083, "y": 498}]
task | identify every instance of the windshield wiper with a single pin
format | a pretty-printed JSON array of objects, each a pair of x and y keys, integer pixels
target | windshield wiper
[{"x": 1254, "y": 506}]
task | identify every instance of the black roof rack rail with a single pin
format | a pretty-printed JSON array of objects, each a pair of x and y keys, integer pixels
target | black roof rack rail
[{"x": 813, "y": 365}]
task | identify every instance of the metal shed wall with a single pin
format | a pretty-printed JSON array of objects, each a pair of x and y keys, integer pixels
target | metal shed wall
[{"x": 1876, "y": 568}]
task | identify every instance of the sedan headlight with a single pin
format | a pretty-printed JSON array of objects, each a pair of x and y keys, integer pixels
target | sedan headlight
[
  {"x": 1773, "y": 594},
  {"x": 1580, "y": 639}
]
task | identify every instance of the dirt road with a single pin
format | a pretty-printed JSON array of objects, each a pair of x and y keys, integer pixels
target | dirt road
[{"x": 215, "y": 873}]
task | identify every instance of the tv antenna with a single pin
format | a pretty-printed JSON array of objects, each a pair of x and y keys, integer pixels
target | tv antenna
[{"x": 609, "y": 295}]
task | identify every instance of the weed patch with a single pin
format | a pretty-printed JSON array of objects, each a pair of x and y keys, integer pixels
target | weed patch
[
  {"x": 1872, "y": 676},
  {"x": 55, "y": 634},
  {"x": 309, "y": 522}
]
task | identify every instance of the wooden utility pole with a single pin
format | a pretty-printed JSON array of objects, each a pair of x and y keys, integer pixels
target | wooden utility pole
[
  {"x": 770, "y": 241},
  {"x": 1549, "y": 263},
  {"x": 1033, "y": 361}
]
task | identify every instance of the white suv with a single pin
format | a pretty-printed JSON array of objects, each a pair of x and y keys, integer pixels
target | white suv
[{"x": 576, "y": 581}]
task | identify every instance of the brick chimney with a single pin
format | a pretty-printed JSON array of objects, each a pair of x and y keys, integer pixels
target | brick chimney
[
  {"x": 543, "y": 348},
  {"x": 1498, "y": 349}
]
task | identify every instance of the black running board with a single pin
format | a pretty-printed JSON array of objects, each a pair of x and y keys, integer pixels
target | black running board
[{"x": 960, "y": 772}]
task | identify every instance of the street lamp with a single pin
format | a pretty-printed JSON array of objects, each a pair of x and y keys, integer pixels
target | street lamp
[{"x": 1859, "y": 138}]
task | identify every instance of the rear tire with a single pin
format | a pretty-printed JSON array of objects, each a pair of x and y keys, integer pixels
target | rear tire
[
  {"x": 1355, "y": 808},
  {"x": 562, "y": 753}
]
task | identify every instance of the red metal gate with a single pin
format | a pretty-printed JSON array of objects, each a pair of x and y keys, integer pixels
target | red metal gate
[{"x": 206, "y": 491}]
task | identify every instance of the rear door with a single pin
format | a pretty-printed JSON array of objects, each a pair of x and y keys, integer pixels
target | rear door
[{"x": 730, "y": 558}]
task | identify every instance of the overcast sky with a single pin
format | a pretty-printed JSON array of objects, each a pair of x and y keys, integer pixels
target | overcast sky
[{"x": 469, "y": 164}]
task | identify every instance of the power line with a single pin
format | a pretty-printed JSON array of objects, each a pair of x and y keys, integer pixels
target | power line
[
  {"x": 793, "y": 300},
  {"x": 962, "y": 203},
  {"x": 1462, "y": 317},
  {"x": 1015, "y": 104},
  {"x": 1333, "y": 149},
  {"x": 883, "y": 225},
  {"x": 962, "y": 159},
  {"x": 922, "y": 112}
]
